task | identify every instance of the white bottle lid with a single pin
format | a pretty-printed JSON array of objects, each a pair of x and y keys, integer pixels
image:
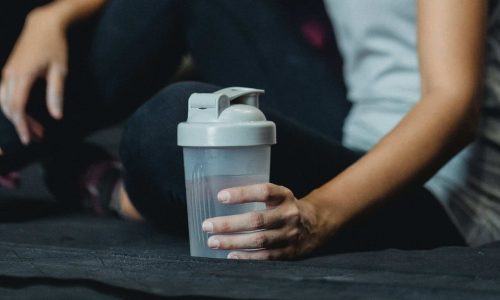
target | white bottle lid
[{"x": 226, "y": 118}]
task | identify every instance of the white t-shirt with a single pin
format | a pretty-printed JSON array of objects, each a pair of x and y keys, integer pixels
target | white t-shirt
[{"x": 377, "y": 39}]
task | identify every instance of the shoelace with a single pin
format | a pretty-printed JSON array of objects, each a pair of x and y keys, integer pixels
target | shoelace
[{"x": 92, "y": 181}]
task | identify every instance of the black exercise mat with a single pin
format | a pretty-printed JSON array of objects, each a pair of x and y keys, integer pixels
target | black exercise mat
[{"x": 93, "y": 258}]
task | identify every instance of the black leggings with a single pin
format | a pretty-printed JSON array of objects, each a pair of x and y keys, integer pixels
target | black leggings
[
  {"x": 302, "y": 160},
  {"x": 117, "y": 60},
  {"x": 125, "y": 55}
]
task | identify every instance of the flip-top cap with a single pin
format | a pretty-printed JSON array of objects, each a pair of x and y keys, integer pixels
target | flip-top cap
[{"x": 226, "y": 118}]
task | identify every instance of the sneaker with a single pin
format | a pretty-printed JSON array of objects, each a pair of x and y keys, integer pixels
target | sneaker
[
  {"x": 84, "y": 177},
  {"x": 99, "y": 185},
  {"x": 10, "y": 181}
]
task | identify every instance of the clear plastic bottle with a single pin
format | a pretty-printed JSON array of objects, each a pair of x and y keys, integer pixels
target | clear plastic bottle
[{"x": 227, "y": 143}]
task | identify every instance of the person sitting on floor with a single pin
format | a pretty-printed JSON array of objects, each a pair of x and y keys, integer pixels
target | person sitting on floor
[
  {"x": 71, "y": 67},
  {"x": 409, "y": 172},
  {"x": 404, "y": 174}
]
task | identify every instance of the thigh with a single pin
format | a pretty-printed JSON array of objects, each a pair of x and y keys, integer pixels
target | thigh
[
  {"x": 117, "y": 60},
  {"x": 302, "y": 159},
  {"x": 121, "y": 58},
  {"x": 153, "y": 163},
  {"x": 260, "y": 44},
  {"x": 412, "y": 220},
  {"x": 136, "y": 48}
]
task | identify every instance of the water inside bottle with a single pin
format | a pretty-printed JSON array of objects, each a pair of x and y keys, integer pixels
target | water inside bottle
[{"x": 203, "y": 204}]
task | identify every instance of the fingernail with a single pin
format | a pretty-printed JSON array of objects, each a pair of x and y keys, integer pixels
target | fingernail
[
  {"x": 232, "y": 256},
  {"x": 207, "y": 226},
  {"x": 213, "y": 243},
  {"x": 25, "y": 140},
  {"x": 223, "y": 196},
  {"x": 58, "y": 114}
]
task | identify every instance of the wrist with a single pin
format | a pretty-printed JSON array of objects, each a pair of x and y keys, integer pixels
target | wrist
[
  {"x": 49, "y": 13},
  {"x": 63, "y": 13},
  {"x": 329, "y": 212}
]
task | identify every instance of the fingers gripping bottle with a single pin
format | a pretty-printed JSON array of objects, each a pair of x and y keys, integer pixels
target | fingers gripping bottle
[{"x": 227, "y": 143}]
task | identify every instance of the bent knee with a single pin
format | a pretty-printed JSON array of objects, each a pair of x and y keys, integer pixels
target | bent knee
[{"x": 158, "y": 117}]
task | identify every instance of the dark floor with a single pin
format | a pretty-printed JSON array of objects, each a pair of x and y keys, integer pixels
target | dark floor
[{"x": 46, "y": 253}]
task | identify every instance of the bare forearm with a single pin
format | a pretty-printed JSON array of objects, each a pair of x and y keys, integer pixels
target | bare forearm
[
  {"x": 451, "y": 35},
  {"x": 435, "y": 130},
  {"x": 68, "y": 12}
]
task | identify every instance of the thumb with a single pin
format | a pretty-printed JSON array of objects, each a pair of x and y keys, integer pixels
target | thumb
[{"x": 55, "y": 90}]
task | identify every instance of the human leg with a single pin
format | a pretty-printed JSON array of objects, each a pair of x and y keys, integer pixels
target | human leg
[
  {"x": 302, "y": 160},
  {"x": 135, "y": 49},
  {"x": 117, "y": 60},
  {"x": 414, "y": 219},
  {"x": 260, "y": 44},
  {"x": 152, "y": 160}
]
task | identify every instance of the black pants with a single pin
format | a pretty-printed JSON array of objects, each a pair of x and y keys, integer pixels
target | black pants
[
  {"x": 302, "y": 160},
  {"x": 108, "y": 59},
  {"x": 129, "y": 52}
]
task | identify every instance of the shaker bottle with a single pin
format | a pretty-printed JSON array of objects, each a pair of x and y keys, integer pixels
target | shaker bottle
[{"x": 227, "y": 143}]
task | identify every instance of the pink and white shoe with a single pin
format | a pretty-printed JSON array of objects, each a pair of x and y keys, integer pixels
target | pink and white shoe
[{"x": 10, "y": 180}]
